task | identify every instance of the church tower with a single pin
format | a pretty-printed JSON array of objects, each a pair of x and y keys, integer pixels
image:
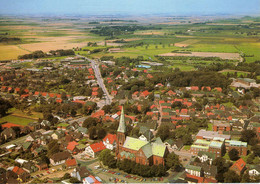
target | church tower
[{"x": 120, "y": 137}]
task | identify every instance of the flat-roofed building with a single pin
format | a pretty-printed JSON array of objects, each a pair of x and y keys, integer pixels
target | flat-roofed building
[
  {"x": 210, "y": 135},
  {"x": 240, "y": 146}
]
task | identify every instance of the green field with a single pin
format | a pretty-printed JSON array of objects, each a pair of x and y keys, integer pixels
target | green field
[
  {"x": 16, "y": 120},
  {"x": 238, "y": 35}
]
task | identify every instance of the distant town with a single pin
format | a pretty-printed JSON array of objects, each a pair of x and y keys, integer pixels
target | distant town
[{"x": 105, "y": 100}]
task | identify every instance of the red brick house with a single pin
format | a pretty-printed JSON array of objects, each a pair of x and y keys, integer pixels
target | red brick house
[
  {"x": 219, "y": 126},
  {"x": 239, "y": 166}
]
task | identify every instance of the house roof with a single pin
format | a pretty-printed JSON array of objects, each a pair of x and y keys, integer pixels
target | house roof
[
  {"x": 60, "y": 156},
  {"x": 111, "y": 138},
  {"x": 96, "y": 147},
  {"x": 71, "y": 162},
  {"x": 193, "y": 167},
  {"x": 210, "y": 155},
  {"x": 239, "y": 165},
  {"x": 18, "y": 170},
  {"x": 71, "y": 145}
]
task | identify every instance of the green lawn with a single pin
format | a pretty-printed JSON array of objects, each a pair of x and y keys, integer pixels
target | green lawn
[
  {"x": 187, "y": 147},
  {"x": 16, "y": 120},
  {"x": 210, "y": 127}
]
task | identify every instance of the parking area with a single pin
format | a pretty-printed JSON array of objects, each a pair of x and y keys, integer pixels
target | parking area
[
  {"x": 53, "y": 172},
  {"x": 117, "y": 176}
]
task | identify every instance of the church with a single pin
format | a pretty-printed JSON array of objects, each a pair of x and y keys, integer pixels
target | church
[{"x": 141, "y": 151}]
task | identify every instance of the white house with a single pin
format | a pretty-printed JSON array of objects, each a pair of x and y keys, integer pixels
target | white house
[
  {"x": 110, "y": 141},
  {"x": 92, "y": 180},
  {"x": 59, "y": 158},
  {"x": 254, "y": 171},
  {"x": 193, "y": 170},
  {"x": 93, "y": 149}
]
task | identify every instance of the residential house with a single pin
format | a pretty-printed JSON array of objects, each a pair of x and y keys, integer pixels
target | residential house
[
  {"x": 254, "y": 171},
  {"x": 206, "y": 157},
  {"x": 92, "y": 180},
  {"x": 80, "y": 172},
  {"x": 59, "y": 158},
  {"x": 94, "y": 149},
  {"x": 173, "y": 145},
  {"x": 41, "y": 166},
  {"x": 72, "y": 147},
  {"x": 71, "y": 163},
  {"x": 34, "y": 126},
  {"x": 110, "y": 141},
  {"x": 239, "y": 166},
  {"x": 21, "y": 173},
  {"x": 194, "y": 170},
  {"x": 30, "y": 167}
]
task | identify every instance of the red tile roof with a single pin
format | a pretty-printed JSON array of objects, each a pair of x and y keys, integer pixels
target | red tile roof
[
  {"x": 71, "y": 162},
  {"x": 9, "y": 125},
  {"x": 18, "y": 170},
  {"x": 111, "y": 138},
  {"x": 71, "y": 146},
  {"x": 194, "y": 88},
  {"x": 200, "y": 179},
  {"x": 79, "y": 101},
  {"x": 17, "y": 89},
  {"x": 145, "y": 93},
  {"x": 98, "y": 114},
  {"x": 96, "y": 147},
  {"x": 218, "y": 89},
  {"x": 239, "y": 165},
  {"x": 94, "y": 93},
  {"x": 94, "y": 88}
]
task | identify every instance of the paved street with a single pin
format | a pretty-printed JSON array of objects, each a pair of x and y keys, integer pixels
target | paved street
[{"x": 100, "y": 81}]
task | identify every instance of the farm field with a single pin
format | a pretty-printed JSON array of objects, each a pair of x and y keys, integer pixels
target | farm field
[
  {"x": 227, "y": 40},
  {"x": 231, "y": 56},
  {"x": 16, "y": 120}
]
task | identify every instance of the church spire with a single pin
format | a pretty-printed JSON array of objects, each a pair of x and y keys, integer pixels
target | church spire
[{"x": 122, "y": 127}]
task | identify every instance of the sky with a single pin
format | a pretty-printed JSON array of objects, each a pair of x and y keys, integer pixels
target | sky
[{"x": 129, "y": 7}]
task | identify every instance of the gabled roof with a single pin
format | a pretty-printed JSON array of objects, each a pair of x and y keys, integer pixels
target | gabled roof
[
  {"x": 18, "y": 170},
  {"x": 71, "y": 162},
  {"x": 96, "y": 147},
  {"x": 111, "y": 138},
  {"x": 239, "y": 165},
  {"x": 71, "y": 146}
]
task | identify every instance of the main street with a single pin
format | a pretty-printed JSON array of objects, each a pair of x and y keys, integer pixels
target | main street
[{"x": 100, "y": 81}]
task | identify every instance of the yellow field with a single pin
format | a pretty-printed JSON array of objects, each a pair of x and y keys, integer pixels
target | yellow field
[{"x": 11, "y": 52}]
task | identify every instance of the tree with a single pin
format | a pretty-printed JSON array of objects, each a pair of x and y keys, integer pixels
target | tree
[
  {"x": 52, "y": 148},
  {"x": 172, "y": 161},
  {"x": 256, "y": 150},
  {"x": 249, "y": 136},
  {"x": 163, "y": 132},
  {"x": 107, "y": 158},
  {"x": 233, "y": 154},
  {"x": 107, "y": 108},
  {"x": 250, "y": 158},
  {"x": 245, "y": 178},
  {"x": 74, "y": 180},
  {"x": 231, "y": 177},
  {"x": 92, "y": 132},
  {"x": 66, "y": 176},
  {"x": 4, "y": 106},
  {"x": 90, "y": 122},
  {"x": 73, "y": 112},
  {"x": 101, "y": 133}
]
